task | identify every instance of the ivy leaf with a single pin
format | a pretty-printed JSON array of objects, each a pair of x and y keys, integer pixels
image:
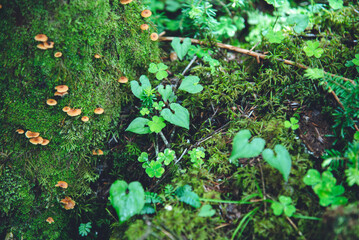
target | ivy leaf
[
  {"x": 282, "y": 162},
  {"x": 165, "y": 92},
  {"x": 274, "y": 37},
  {"x": 138, "y": 126},
  {"x": 207, "y": 211},
  {"x": 157, "y": 124},
  {"x": 243, "y": 149},
  {"x": 127, "y": 199},
  {"x": 155, "y": 169},
  {"x": 336, "y": 4},
  {"x": 312, "y": 48},
  {"x": 190, "y": 84},
  {"x": 179, "y": 118},
  {"x": 136, "y": 89},
  {"x": 314, "y": 73},
  {"x": 300, "y": 22},
  {"x": 181, "y": 49}
]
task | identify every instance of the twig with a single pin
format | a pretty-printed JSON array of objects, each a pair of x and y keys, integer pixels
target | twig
[
  {"x": 165, "y": 140},
  {"x": 264, "y": 189},
  {"x": 295, "y": 227}
]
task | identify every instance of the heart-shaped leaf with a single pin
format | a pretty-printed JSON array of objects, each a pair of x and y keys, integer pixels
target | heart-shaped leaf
[
  {"x": 179, "y": 118},
  {"x": 138, "y": 126},
  {"x": 165, "y": 92},
  {"x": 243, "y": 149},
  {"x": 181, "y": 49},
  {"x": 127, "y": 200},
  {"x": 282, "y": 162},
  {"x": 136, "y": 89},
  {"x": 300, "y": 22},
  {"x": 190, "y": 84},
  {"x": 207, "y": 211}
]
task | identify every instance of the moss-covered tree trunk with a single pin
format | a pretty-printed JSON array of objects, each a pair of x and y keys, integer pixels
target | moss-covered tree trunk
[{"x": 100, "y": 41}]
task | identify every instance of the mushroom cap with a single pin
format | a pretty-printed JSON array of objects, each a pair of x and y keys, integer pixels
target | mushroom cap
[
  {"x": 45, "y": 142},
  {"x": 61, "y": 94},
  {"x": 144, "y": 26},
  {"x": 85, "y": 119},
  {"x": 51, "y": 102},
  {"x": 173, "y": 56},
  {"x": 74, "y": 112},
  {"x": 41, "y": 46},
  {"x": 125, "y": 1},
  {"x": 36, "y": 140},
  {"x": 62, "y": 184},
  {"x": 123, "y": 79},
  {"x": 30, "y": 134},
  {"x": 99, "y": 152},
  {"x": 49, "y": 44},
  {"x": 58, "y": 54},
  {"x": 20, "y": 131},
  {"x": 146, "y": 13},
  {"x": 66, "y": 109},
  {"x": 50, "y": 220},
  {"x": 62, "y": 88},
  {"x": 99, "y": 111},
  {"x": 69, "y": 203},
  {"x": 41, "y": 37},
  {"x": 94, "y": 152},
  {"x": 154, "y": 36},
  {"x": 97, "y": 56}
]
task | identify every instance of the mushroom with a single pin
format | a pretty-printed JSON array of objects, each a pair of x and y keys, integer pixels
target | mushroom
[
  {"x": 20, "y": 131},
  {"x": 61, "y": 94},
  {"x": 99, "y": 111},
  {"x": 146, "y": 13},
  {"x": 49, "y": 44},
  {"x": 41, "y": 46},
  {"x": 62, "y": 88},
  {"x": 36, "y": 140},
  {"x": 45, "y": 142},
  {"x": 85, "y": 119},
  {"x": 58, "y": 54},
  {"x": 99, "y": 152},
  {"x": 66, "y": 109},
  {"x": 74, "y": 112},
  {"x": 144, "y": 27},
  {"x": 41, "y": 37},
  {"x": 94, "y": 152},
  {"x": 30, "y": 134},
  {"x": 62, "y": 184},
  {"x": 50, "y": 220},
  {"x": 154, "y": 36},
  {"x": 68, "y": 203},
  {"x": 123, "y": 79},
  {"x": 173, "y": 56},
  {"x": 125, "y": 1},
  {"x": 97, "y": 56},
  {"x": 51, "y": 102}
]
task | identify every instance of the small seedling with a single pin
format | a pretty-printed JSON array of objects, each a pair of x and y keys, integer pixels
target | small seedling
[
  {"x": 293, "y": 123},
  {"x": 207, "y": 211},
  {"x": 85, "y": 229},
  {"x": 282, "y": 162},
  {"x": 274, "y": 37},
  {"x": 159, "y": 69},
  {"x": 313, "y": 49},
  {"x": 197, "y": 155},
  {"x": 284, "y": 205}
]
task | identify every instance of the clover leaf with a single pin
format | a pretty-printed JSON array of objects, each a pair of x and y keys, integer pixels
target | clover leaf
[
  {"x": 155, "y": 169},
  {"x": 274, "y": 37},
  {"x": 143, "y": 157},
  {"x": 282, "y": 162},
  {"x": 181, "y": 49},
  {"x": 207, "y": 211},
  {"x": 144, "y": 111},
  {"x": 243, "y": 149},
  {"x": 157, "y": 124},
  {"x": 284, "y": 205},
  {"x": 292, "y": 124},
  {"x": 225, "y": 27},
  {"x": 167, "y": 156},
  {"x": 313, "y": 48},
  {"x": 190, "y": 84},
  {"x": 158, "y": 105},
  {"x": 180, "y": 117},
  {"x": 356, "y": 60},
  {"x": 197, "y": 155},
  {"x": 159, "y": 69}
]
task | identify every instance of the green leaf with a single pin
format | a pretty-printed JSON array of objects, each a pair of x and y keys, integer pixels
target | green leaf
[
  {"x": 165, "y": 92},
  {"x": 85, "y": 229},
  {"x": 356, "y": 60},
  {"x": 207, "y": 211},
  {"x": 312, "y": 48},
  {"x": 282, "y": 162},
  {"x": 277, "y": 208},
  {"x": 167, "y": 156},
  {"x": 336, "y": 4},
  {"x": 138, "y": 126},
  {"x": 155, "y": 169},
  {"x": 158, "y": 105},
  {"x": 162, "y": 67},
  {"x": 285, "y": 200},
  {"x": 289, "y": 210},
  {"x": 179, "y": 118},
  {"x": 287, "y": 124},
  {"x": 314, "y": 73},
  {"x": 225, "y": 27},
  {"x": 161, "y": 75},
  {"x": 143, "y": 157},
  {"x": 275, "y": 3},
  {"x": 243, "y": 149},
  {"x": 181, "y": 49},
  {"x": 274, "y": 37},
  {"x": 312, "y": 177},
  {"x": 127, "y": 200},
  {"x": 136, "y": 89},
  {"x": 300, "y": 22},
  {"x": 190, "y": 84},
  {"x": 186, "y": 195},
  {"x": 144, "y": 111},
  {"x": 153, "y": 68},
  {"x": 157, "y": 124}
]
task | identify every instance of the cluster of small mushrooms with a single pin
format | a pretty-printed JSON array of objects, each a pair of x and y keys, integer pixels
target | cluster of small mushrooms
[
  {"x": 46, "y": 44},
  {"x": 34, "y": 137}
]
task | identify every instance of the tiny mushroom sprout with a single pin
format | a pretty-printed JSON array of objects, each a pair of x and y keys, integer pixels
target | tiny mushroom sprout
[
  {"x": 99, "y": 111},
  {"x": 97, "y": 56},
  {"x": 125, "y": 1},
  {"x": 123, "y": 79},
  {"x": 62, "y": 88},
  {"x": 51, "y": 102},
  {"x": 144, "y": 27},
  {"x": 85, "y": 119},
  {"x": 50, "y": 220},
  {"x": 62, "y": 184},
  {"x": 61, "y": 94},
  {"x": 20, "y": 131},
  {"x": 45, "y": 142},
  {"x": 41, "y": 37},
  {"x": 68, "y": 203},
  {"x": 36, "y": 140},
  {"x": 41, "y": 46},
  {"x": 58, "y": 54},
  {"x": 66, "y": 109},
  {"x": 146, "y": 13},
  {"x": 30, "y": 134},
  {"x": 154, "y": 36},
  {"x": 74, "y": 112},
  {"x": 49, "y": 44}
]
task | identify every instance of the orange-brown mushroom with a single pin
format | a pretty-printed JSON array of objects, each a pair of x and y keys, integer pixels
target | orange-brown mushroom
[
  {"x": 97, "y": 56},
  {"x": 36, "y": 140},
  {"x": 99, "y": 152},
  {"x": 144, "y": 27},
  {"x": 74, "y": 112},
  {"x": 94, "y": 152},
  {"x": 62, "y": 184},
  {"x": 68, "y": 203},
  {"x": 58, "y": 54},
  {"x": 123, "y": 79},
  {"x": 146, "y": 13},
  {"x": 20, "y": 131},
  {"x": 41, "y": 46},
  {"x": 30, "y": 134},
  {"x": 41, "y": 37},
  {"x": 49, "y": 44},
  {"x": 99, "y": 111},
  {"x": 61, "y": 94},
  {"x": 51, "y": 102},
  {"x": 45, "y": 142},
  {"x": 50, "y": 220},
  {"x": 125, "y": 1},
  {"x": 85, "y": 119},
  {"x": 66, "y": 109},
  {"x": 62, "y": 88},
  {"x": 154, "y": 36}
]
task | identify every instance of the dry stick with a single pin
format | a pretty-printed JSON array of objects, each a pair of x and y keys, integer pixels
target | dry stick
[
  {"x": 263, "y": 56},
  {"x": 295, "y": 227}
]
